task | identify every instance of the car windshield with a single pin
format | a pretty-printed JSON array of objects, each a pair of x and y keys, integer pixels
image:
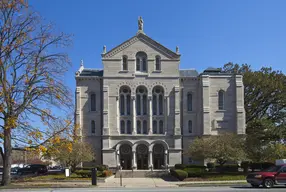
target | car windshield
[{"x": 272, "y": 169}]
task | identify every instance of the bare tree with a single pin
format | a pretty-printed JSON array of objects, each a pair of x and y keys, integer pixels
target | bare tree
[{"x": 31, "y": 71}]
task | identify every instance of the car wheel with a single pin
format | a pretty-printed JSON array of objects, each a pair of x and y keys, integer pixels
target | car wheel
[
  {"x": 36, "y": 173},
  {"x": 268, "y": 183},
  {"x": 255, "y": 186}
]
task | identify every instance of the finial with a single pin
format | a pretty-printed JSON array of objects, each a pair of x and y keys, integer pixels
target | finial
[
  {"x": 81, "y": 62},
  {"x": 140, "y": 23},
  {"x": 104, "y": 49},
  {"x": 177, "y": 49}
]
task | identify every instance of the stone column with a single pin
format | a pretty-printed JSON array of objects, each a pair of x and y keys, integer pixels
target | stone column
[
  {"x": 166, "y": 114},
  {"x": 166, "y": 159},
  {"x": 78, "y": 110},
  {"x": 105, "y": 111},
  {"x": 177, "y": 130},
  {"x": 117, "y": 158},
  {"x": 150, "y": 115},
  {"x": 134, "y": 160},
  {"x": 134, "y": 115},
  {"x": 118, "y": 115},
  {"x": 239, "y": 105},
  {"x": 206, "y": 105},
  {"x": 150, "y": 159}
]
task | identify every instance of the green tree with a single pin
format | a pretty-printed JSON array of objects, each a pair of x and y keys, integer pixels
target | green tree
[
  {"x": 265, "y": 106},
  {"x": 31, "y": 70},
  {"x": 222, "y": 148}
]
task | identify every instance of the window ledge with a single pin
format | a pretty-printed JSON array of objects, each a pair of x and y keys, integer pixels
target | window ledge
[
  {"x": 123, "y": 71},
  {"x": 138, "y": 73},
  {"x": 93, "y": 111},
  {"x": 191, "y": 112},
  {"x": 157, "y": 71}
]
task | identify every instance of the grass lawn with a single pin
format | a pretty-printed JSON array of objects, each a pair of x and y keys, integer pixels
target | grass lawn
[
  {"x": 218, "y": 177},
  {"x": 59, "y": 177}
]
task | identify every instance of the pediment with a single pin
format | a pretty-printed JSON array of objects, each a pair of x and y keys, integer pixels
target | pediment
[{"x": 146, "y": 40}]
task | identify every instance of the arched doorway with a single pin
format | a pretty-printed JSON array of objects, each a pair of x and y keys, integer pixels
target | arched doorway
[
  {"x": 142, "y": 156},
  {"x": 125, "y": 156},
  {"x": 158, "y": 156}
]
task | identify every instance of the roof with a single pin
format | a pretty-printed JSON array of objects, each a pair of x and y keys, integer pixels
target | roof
[
  {"x": 92, "y": 72},
  {"x": 188, "y": 73},
  {"x": 147, "y": 40}
]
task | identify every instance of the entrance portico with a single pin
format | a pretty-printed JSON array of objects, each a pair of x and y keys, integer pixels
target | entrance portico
[{"x": 142, "y": 155}]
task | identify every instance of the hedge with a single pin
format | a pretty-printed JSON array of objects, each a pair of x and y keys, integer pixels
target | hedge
[
  {"x": 227, "y": 168},
  {"x": 183, "y": 166},
  {"x": 260, "y": 165},
  {"x": 179, "y": 174},
  {"x": 98, "y": 167}
]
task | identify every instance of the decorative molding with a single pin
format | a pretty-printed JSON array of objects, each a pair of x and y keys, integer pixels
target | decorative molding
[{"x": 105, "y": 88}]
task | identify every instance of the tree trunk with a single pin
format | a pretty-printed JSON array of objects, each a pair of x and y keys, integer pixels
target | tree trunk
[{"x": 7, "y": 160}]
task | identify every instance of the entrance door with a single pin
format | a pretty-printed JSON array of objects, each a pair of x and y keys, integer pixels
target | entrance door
[
  {"x": 142, "y": 156},
  {"x": 126, "y": 157},
  {"x": 158, "y": 156}
]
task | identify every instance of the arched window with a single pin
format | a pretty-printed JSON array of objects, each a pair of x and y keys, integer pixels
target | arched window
[
  {"x": 141, "y": 62},
  {"x": 124, "y": 63},
  {"x": 190, "y": 126},
  {"x": 155, "y": 127},
  {"x": 157, "y": 63},
  {"x": 125, "y": 100},
  {"x": 139, "y": 127},
  {"x": 158, "y": 100},
  {"x": 141, "y": 100},
  {"x": 92, "y": 102},
  {"x": 122, "y": 127},
  {"x": 190, "y": 102},
  {"x": 93, "y": 127},
  {"x": 161, "y": 127},
  {"x": 145, "y": 127},
  {"x": 128, "y": 127},
  {"x": 221, "y": 100}
]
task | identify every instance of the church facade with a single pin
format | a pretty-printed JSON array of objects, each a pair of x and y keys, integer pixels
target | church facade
[{"x": 141, "y": 111}]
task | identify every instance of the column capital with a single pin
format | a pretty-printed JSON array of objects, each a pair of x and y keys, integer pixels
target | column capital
[
  {"x": 117, "y": 98},
  {"x": 133, "y": 97},
  {"x": 166, "y": 97},
  {"x": 150, "y": 98}
]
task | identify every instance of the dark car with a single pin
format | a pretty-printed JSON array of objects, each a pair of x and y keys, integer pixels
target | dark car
[
  {"x": 275, "y": 175},
  {"x": 36, "y": 169}
]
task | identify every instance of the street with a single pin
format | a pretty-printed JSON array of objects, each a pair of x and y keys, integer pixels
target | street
[{"x": 183, "y": 189}]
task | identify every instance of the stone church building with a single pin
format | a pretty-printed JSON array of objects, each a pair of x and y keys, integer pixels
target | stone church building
[{"x": 141, "y": 111}]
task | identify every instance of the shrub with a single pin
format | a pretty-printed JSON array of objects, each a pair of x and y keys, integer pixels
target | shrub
[
  {"x": 245, "y": 165},
  {"x": 180, "y": 166},
  {"x": 260, "y": 165},
  {"x": 210, "y": 166},
  {"x": 195, "y": 166},
  {"x": 98, "y": 167},
  {"x": 83, "y": 173},
  {"x": 179, "y": 174},
  {"x": 194, "y": 172},
  {"x": 107, "y": 173},
  {"x": 87, "y": 173},
  {"x": 228, "y": 168}
]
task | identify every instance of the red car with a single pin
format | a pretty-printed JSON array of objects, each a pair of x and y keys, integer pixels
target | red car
[{"x": 275, "y": 175}]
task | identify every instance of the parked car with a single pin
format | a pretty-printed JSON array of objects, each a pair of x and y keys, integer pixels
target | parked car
[
  {"x": 33, "y": 169},
  {"x": 275, "y": 175},
  {"x": 14, "y": 170}
]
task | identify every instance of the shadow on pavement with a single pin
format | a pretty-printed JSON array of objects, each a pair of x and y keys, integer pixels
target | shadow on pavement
[{"x": 169, "y": 178}]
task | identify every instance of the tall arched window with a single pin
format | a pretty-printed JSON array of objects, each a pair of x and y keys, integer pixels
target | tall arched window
[
  {"x": 141, "y": 61},
  {"x": 93, "y": 127},
  {"x": 128, "y": 127},
  {"x": 158, "y": 100},
  {"x": 141, "y": 100},
  {"x": 158, "y": 63},
  {"x": 122, "y": 127},
  {"x": 145, "y": 127},
  {"x": 124, "y": 63},
  {"x": 190, "y": 126},
  {"x": 139, "y": 127},
  {"x": 125, "y": 100},
  {"x": 161, "y": 127},
  {"x": 155, "y": 127},
  {"x": 221, "y": 100},
  {"x": 92, "y": 102},
  {"x": 190, "y": 102}
]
